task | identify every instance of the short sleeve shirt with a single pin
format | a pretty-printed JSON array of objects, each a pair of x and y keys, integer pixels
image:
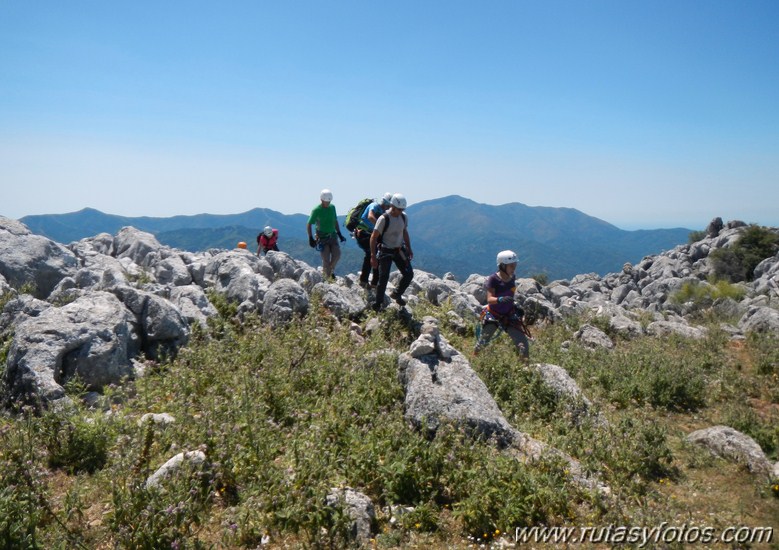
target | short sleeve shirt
[
  {"x": 325, "y": 219},
  {"x": 500, "y": 288},
  {"x": 365, "y": 221},
  {"x": 392, "y": 235}
]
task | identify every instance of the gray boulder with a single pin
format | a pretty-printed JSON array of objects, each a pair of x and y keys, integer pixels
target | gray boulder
[
  {"x": 539, "y": 308},
  {"x": 438, "y": 291},
  {"x": 558, "y": 292},
  {"x": 566, "y": 388},
  {"x": 340, "y": 301},
  {"x": 619, "y": 294},
  {"x": 714, "y": 227},
  {"x": 32, "y": 259},
  {"x": 100, "y": 272},
  {"x": 172, "y": 271},
  {"x": 620, "y": 320},
  {"x": 666, "y": 328},
  {"x": 733, "y": 445},
  {"x": 234, "y": 273},
  {"x": 431, "y": 341},
  {"x": 90, "y": 338},
  {"x": 158, "y": 419},
  {"x": 165, "y": 329},
  {"x": 768, "y": 267},
  {"x": 4, "y": 286},
  {"x": 760, "y": 319},
  {"x": 19, "y": 309},
  {"x": 139, "y": 246},
  {"x": 283, "y": 266},
  {"x": 162, "y": 327},
  {"x": 102, "y": 243},
  {"x": 593, "y": 338},
  {"x": 419, "y": 284},
  {"x": 528, "y": 286},
  {"x": 284, "y": 300},
  {"x": 193, "y": 304},
  {"x": 474, "y": 285},
  {"x": 175, "y": 464},
  {"x": 465, "y": 305},
  {"x": 309, "y": 277},
  {"x": 359, "y": 508},
  {"x": 439, "y": 391}
]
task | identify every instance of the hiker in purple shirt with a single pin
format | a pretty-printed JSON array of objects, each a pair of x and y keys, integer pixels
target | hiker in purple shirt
[{"x": 500, "y": 311}]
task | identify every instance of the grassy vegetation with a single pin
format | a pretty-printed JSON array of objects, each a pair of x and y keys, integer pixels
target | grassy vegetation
[
  {"x": 285, "y": 416},
  {"x": 702, "y": 295},
  {"x": 737, "y": 263}
]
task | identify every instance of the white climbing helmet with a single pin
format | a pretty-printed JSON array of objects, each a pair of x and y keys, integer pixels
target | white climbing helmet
[
  {"x": 506, "y": 257},
  {"x": 268, "y": 231},
  {"x": 398, "y": 201},
  {"x": 326, "y": 195},
  {"x": 386, "y": 200}
]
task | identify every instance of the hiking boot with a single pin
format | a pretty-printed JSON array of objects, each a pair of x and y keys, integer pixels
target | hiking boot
[
  {"x": 377, "y": 306},
  {"x": 363, "y": 284},
  {"x": 398, "y": 298}
]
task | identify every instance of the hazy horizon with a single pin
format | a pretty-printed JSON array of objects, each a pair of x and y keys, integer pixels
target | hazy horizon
[{"x": 343, "y": 213}]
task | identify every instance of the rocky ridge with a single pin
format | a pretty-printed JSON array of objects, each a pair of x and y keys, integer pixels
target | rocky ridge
[{"x": 102, "y": 306}]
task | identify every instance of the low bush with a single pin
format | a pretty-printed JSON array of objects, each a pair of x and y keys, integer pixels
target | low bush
[
  {"x": 704, "y": 294},
  {"x": 22, "y": 485},
  {"x": 696, "y": 236},
  {"x": 75, "y": 443},
  {"x": 737, "y": 263},
  {"x": 765, "y": 432}
]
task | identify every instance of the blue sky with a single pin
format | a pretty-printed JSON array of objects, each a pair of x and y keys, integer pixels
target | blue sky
[{"x": 642, "y": 113}]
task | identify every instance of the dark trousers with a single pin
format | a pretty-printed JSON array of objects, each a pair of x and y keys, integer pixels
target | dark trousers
[
  {"x": 364, "y": 242},
  {"x": 386, "y": 257}
]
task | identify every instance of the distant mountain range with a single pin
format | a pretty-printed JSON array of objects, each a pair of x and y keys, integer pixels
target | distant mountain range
[{"x": 450, "y": 234}]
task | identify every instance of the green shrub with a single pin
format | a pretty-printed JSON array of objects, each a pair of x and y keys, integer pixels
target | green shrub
[
  {"x": 166, "y": 516},
  {"x": 496, "y": 492},
  {"x": 737, "y": 263},
  {"x": 75, "y": 443},
  {"x": 518, "y": 390},
  {"x": 696, "y": 236},
  {"x": 764, "y": 348},
  {"x": 702, "y": 294},
  {"x": 151, "y": 518},
  {"x": 668, "y": 374},
  {"x": 744, "y": 419},
  {"x": 630, "y": 453},
  {"x": 22, "y": 486}
]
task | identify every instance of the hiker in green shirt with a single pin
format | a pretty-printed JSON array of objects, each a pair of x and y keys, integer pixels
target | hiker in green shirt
[{"x": 328, "y": 233}]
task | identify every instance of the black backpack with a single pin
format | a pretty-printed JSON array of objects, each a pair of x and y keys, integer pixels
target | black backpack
[
  {"x": 354, "y": 215},
  {"x": 387, "y": 222}
]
